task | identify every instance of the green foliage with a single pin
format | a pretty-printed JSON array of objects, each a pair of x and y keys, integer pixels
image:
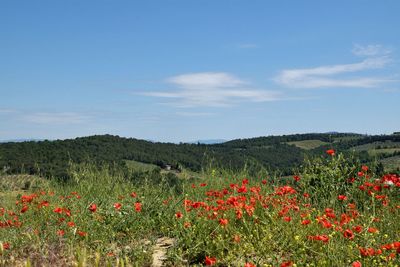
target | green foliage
[
  {"x": 328, "y": 177},
  {"x": 272, "y": 153}
]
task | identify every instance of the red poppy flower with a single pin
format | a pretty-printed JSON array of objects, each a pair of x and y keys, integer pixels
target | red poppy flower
[
  {"x": 296, "y": 178},
  {"x": 357, "y": 228},
  {"x": 117, "y": 206},
  {"x": 287, "y": 218},
  {"x": 93, "y": 207},
  {"x": 249, "y": 264},
  {"x": 348, "y": 234},
  {"x": 342, "y": 197},
  {"x": 287, "y": 264},
  {"x": 71, "y": 224},
  {"x": 81, "y": 233},
  {"x": 364, "y": 168},
  {"x": 356, "y": 264},
  {"x": 305, "y": 222},
  {"x": 210, "y": 261},
  {"x": 138, "y": 206},
  {"x": 133, "y": 194},
  {"x": 236, "y": 238},
  {"x": 6, "y": 245},
  {"x": 372, "y": 230},
  {"x": 223, "y": 222},
  {"x": 178, "y": 215},
  {"x": 24, "y": 209},
  {"x": 61, "y": 232},
  {"x": 330, "y": 152}
]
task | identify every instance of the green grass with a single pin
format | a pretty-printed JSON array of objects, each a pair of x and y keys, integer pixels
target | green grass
[
  {"x": 391, "y": 163},
  {"x": 140, "y": 166},
  {"x": 347, "y": 138},
  {"x": 308, "y": 144},
  {"x": 387, "y": 151},
  {"x": 234, "y": 219},
  {"x": 377, "y": 146}
]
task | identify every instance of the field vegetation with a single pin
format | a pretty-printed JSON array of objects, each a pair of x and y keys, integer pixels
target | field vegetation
[{"x": 333, "y": 211}]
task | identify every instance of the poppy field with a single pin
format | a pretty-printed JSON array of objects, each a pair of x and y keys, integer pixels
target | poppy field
[{"x": 333, "y": 212}]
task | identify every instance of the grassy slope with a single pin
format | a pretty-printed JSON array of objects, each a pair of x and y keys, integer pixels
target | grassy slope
[
  {"x": 391, "y": 163},
  {"x": 308, "y": 144}
]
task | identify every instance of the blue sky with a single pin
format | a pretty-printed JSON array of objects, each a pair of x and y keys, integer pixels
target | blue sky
[{"x": 187, "y": 70}]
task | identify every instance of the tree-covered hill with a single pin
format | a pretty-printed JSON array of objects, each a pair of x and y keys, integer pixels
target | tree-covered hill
[{"x": 51, "y": 158}]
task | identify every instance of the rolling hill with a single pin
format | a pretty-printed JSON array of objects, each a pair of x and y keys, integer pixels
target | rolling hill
[{"x": 272, "y": 153}]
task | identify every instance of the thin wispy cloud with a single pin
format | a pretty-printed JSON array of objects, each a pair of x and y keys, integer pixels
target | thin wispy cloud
[
  {"x": 215, "y": 89},
  {"x": 370, "y": 50},
  {"x": 329, "y": 75},
  {"x": 56, "y": 118}
]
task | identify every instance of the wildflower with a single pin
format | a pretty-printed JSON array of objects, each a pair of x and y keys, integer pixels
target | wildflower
[
  {"x": 24, "y": 209},
  {"x": 138, "y": 206},
  {"x": 210, "y": 261},
  {"x": 61, "y": 232},
  {"x": 330, "y": 152},
  {"x": 348, "y": 234},
  {"x": 71, "y": 224},
  {"x": 242, "y": 189},
  {"x": 6, "y": 245},
  {"x": 223, "y": 222},
  {"x": 133, "y": 194},
  {"x": 305, "y": 222},
  {"x": 44, "y": 204},
  {"x": 287, "y": 264},
  {"x": 372, "y": 230},
  {"x": 203, "y": 184},
  {"x": 236, "y": 238},
  {"x": 323, "y": 238},
  {"x": 287, "y": 218},
  {"x": 357, "y": 228},
  {"x": 178, "y": 215},
  {"x": 117, "y": 206},
  {"x": 81, "y": 233},
  {"x": 356, "y": 264},
  {"x": 249, "y": 264},
  {"x": 364, "y": 168},
  {"x": 187, "y": 224},
  {"x": 296, "y": 178},
  {"x": 93, "y": 207},
  {"x": 264, "y": 181},
  {"x": 57, "y": 210},
  {"x": 342, "y": 197}
]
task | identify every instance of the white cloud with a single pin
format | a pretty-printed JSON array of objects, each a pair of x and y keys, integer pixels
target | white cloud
[
  {"x": 370, "y": 50},
  {"x": 320, "y": 77},
  {"x": 212, "y": 89},
  {"x": 56, "y": 118}
]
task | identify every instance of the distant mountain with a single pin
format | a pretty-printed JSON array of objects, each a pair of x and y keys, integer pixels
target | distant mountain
[{"x": 21, "y": 140}]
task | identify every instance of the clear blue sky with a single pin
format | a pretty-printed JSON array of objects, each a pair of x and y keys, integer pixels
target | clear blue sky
[{"x": 188, "y": 70}]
